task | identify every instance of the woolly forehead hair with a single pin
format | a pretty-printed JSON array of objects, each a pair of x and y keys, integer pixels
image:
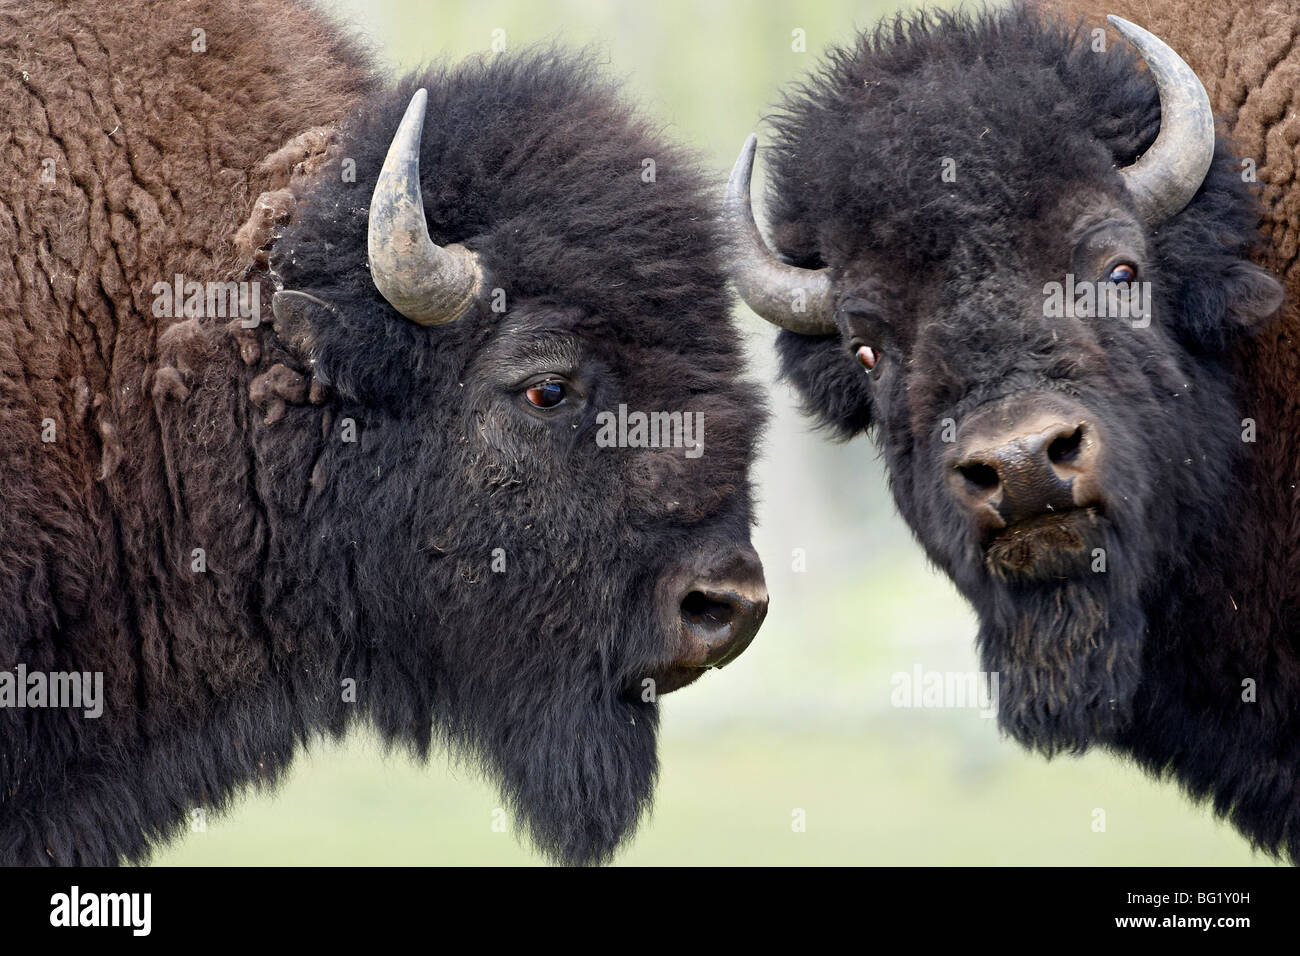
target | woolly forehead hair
[
  {"x": 532, "y": 160},
  {"x": 1022, "y": 105}
]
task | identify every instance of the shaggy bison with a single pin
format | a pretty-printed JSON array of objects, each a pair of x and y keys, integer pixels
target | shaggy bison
[
  {"x": 1015, "y": 252},
  {"x": 257, "y": 487}
]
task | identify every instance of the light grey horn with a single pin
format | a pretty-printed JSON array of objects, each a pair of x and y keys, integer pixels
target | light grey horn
[
  {"x": 1168, "y": 174},
  {"x": 427, "y": 283},
  {"x": 796, "y": 299}
]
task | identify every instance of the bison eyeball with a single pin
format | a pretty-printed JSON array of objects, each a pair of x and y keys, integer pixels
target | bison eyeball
[
  {"x": 867, "y": 357},
  {"x": 545, "y": 394},
  {"x": 1123, "y": 272}
]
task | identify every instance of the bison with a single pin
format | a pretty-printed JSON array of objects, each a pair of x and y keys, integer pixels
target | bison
[
  {"x": 1014, "y": 250},
  {"x": 385, "y": 503}
]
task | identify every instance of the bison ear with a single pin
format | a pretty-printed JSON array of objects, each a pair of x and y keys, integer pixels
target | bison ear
[
  {"x": 832, "y": 384},
  {"x": 304, "y": 328},
  {"x": 1254, "y": 295},
  {"x": 296, "y": 313},
  {"x": 1217, "y": 307}
]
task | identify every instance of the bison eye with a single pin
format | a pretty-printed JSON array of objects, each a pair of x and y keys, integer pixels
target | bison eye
[
  {"x": 545, "y": 394},
  {"x": 1123, "y": 272},
  {"x": 867, "y": 357}
]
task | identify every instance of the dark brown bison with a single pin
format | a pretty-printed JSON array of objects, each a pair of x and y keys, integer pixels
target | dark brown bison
[
  {"x": 386, "y": 502},
  {"x": 1014, "y": 250}
]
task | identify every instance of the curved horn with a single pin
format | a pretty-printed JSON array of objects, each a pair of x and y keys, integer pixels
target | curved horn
[
  {"x": 428, "y": 284},
  {"x": 1168, "y": 174},
  {"x": 769, "y": 286}
]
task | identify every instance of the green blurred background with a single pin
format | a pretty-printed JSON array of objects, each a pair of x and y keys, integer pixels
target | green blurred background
[{"x": 803, "y": 721}]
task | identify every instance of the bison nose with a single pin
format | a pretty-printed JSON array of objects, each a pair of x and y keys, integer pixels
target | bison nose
[
  {"x": 721, "y": 607},
  {"x": 1009, "y": 469}
]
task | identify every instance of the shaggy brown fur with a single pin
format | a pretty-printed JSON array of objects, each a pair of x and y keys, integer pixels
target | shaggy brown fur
[{"x": 155, "y": 169}]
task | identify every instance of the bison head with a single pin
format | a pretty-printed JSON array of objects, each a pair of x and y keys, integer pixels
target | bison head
[
  {"x": 1020, "y": 259},
  {"x": 519, "y": 263}
]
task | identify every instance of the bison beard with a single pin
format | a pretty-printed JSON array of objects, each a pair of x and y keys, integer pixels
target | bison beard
[
  {"x": 1068, "y": 655},
  {"x": 579, "y": 770},
  {"x": 564, "y": 731}
]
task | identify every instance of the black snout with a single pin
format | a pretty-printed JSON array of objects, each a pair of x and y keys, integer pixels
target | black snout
[
  {"x": 721, "y": 603},
  {"x": 1026, "y": 460}
]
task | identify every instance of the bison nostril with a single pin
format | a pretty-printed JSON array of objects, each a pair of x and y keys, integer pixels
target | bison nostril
[
  {"x": 705, "y": 612},
  {"x": 1020, "y": 459},
  {"x": 1065, "y": 449},
  {"x": 979, "y": 476},
  {"x": 720, "y": 605}
]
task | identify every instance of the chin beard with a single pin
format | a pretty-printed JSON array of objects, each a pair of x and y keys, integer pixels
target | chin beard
[
  {"x": 1068, "y": 654},
  {"x": 579, "y": 774}
]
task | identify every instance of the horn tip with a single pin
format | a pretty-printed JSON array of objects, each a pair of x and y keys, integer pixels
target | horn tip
[
  {"x": 415, "y": 108},
  {"x": 744, "y": 166},
  {"x": 1126, "y": 28},
  {"x": 747, "y": 151}
]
